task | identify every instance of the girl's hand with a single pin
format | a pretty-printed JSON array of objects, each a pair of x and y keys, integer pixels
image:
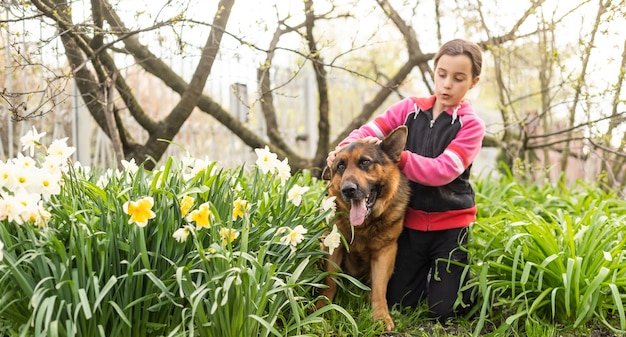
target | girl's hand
[
  {"x": 372, "y": 140},
  {"x": 332, "y": 154}
]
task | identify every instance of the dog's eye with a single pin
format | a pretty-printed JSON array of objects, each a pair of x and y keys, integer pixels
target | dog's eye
[
  {"x": 364, "y": 164},
  {"x": 341, "y": 166}
]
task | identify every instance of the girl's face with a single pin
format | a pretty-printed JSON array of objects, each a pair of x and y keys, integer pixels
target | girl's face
[{"x": 453, "y": 78}]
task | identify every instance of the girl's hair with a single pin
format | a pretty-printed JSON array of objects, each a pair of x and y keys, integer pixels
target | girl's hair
[{"x": 462, "y": 47}]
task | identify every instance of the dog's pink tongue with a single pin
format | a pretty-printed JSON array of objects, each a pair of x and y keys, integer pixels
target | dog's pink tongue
[{"x": 357, "y": 212}]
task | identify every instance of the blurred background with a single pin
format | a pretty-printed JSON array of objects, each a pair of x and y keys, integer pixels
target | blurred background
[{"x": 217, "y": 79}]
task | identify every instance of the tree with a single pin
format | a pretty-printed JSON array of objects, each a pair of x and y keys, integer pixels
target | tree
[{"x": 513, "y": 39}]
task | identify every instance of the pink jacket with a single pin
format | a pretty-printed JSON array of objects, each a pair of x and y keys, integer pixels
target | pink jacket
[{"x": 437, "y": 159}]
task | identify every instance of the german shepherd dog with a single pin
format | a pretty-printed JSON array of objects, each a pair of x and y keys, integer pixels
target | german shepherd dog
[{"x": 371, "y": 196}]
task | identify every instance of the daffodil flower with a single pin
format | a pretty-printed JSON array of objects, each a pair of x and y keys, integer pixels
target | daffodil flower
[
  {"x": 228, "y": 235},
  {"x": 42, "y": 217},
  {"x": 266, "y": 160},
  {"x": 130, "y": 166},
  {"x": 240, "y": 207},
  {"x": 30, "y": 140},
  {"x": 332, "y": 240},
  {"x": 201, "y": 216},
  {"x": 58, "y": 150},
  {"x": 185, "y": 205},
  {"x": 295, "y": 194},
  {"x": 283, "y": 169},
  {"x": 26, "y": 178},
  {"x": 24, "y": 162},
  {"x": 182, "y": 234},
  {"x": 140, "y": 211},
  {"x": 294, "y": 236},
  {"x": 18, "y": 208},
  {"x": 329, "y": 204},
  {"x": 7, "y": 175}
]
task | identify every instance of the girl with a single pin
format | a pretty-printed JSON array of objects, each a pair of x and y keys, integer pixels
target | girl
[{"x": 445, "y": 135}]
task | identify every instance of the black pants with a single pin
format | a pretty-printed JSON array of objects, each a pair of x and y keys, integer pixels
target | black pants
[{"x": 423, "y": 270}]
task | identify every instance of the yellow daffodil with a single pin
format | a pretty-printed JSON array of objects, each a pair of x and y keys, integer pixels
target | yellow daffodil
[
  {"x": 201, "y": 216},
  {"x": 185, "y": 205},
  {"x": 240, "y": 207},
  {"x": 332, "y": 240},
  {"x": 228, "y": 235},
  {"x": 140, "y": 211}
]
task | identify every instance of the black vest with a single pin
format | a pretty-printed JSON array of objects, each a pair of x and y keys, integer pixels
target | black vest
[{"x": 429, "y": 139}]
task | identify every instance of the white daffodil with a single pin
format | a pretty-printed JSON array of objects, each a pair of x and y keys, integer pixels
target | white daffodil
[
  {"x": 81, "y": 169},
  {"x": 27, "y": 180},
  {"x": 52, "y": 165},
  {"x": 295, "y": 194},
  {"x": 328, "y": 203},
  {"x": 24, "y": 162},
  {"x": 129, "y": 165},
  {"x": 283, "y": 169},
  {"x": 49, "y": 184},
  {"x": 266, "y": 160},
  {"x": 105, "y": 178},
  {"x": 182, "y": 234},
  {"x": 17, "y": 208},
  {"x": 59, "y": 150},
  {"x": 294, "y": 236},
  {"x": 332, "y": 240},
  {"x": 30, "y": 140},
  {"x": 7, "y": 175},
  {"x": 37, "y": 214}
]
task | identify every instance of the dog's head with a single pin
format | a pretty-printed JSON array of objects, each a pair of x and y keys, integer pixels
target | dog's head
[{"x": 360, "y": 171}]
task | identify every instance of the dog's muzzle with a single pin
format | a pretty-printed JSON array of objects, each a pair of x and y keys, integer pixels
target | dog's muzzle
[{"x": 360, "y": 202}]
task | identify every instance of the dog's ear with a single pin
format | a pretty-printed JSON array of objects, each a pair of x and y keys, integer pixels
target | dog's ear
[
  {"x": 326, "y": 173},
  {"x": 394, "y": 143}
]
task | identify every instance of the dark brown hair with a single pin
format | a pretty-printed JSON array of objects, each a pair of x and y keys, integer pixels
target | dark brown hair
[{"x": 462, "y": 47}]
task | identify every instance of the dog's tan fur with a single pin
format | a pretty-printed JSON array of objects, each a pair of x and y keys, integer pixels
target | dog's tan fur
[{"x": 358, "y": 169}]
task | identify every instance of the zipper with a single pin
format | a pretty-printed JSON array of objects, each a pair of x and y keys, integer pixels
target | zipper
[{"x": 428, "y": 143}]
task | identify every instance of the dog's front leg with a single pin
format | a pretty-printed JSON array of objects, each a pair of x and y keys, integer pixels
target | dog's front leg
[
  {"x": 331, "y": 266},
  {"x": 382, "y": 264}
]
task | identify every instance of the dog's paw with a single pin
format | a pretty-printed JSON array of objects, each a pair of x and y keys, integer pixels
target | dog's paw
[
  {"x": 320, "y": 303},
  {"x": 388, "y": 323},
  {"x": 386, "y": 318}
]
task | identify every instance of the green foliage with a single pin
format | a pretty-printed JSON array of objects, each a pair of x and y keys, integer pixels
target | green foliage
[
  {"x": 191, "y": 250},
  {"x": 549, "y": 254},
  {"x": 90, "y": 272}
]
